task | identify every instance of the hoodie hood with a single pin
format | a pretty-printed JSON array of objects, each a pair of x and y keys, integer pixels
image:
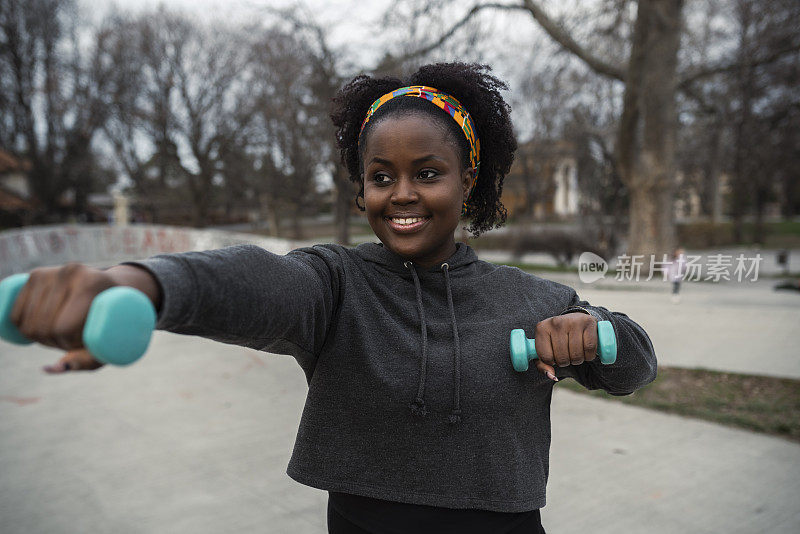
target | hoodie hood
[{"x": 463, "y": 257}]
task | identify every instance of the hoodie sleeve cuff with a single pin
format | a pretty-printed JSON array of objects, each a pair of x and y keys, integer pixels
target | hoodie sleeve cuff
[
  {"x": 581, "y": 309},
  {"x": 178, "y": 286}
]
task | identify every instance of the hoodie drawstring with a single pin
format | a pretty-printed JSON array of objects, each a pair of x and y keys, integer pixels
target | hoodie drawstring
[
  {"x": 455, "y": 414},
  {"x": 418, "y": 405}
]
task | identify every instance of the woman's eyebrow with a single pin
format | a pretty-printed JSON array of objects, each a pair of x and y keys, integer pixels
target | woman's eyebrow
[
  {"x": 429, "y": 157},
  {"x": 380, "y": 161},
  {"x": 417, "y": 161}
]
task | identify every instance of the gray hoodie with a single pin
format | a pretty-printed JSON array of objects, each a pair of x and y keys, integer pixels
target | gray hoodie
[{"x": 412, "y": 396}]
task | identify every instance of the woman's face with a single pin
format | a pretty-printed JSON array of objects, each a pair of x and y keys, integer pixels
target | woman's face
[{"x": 414, "y": 188}]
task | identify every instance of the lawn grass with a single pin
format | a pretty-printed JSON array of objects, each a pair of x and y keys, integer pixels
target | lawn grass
[
  {"x": 784, "y": 228},
  {"x": 760, "y": 403},
  {"x": 704, "y": 234},
  {"x": 539, "y": 267}
]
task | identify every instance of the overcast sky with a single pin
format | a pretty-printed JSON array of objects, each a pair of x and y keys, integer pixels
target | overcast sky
[{"x": 350, "y": 23}]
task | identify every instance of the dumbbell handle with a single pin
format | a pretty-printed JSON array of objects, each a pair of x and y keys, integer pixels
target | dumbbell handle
[
  {"x": 523, "y": 349},
  {"x": 118, "y": 327}
]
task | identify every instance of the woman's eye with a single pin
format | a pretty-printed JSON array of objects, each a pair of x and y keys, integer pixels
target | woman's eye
[
  {"x": 427, "y": 174},
  {"x": 381, "y": 179}
]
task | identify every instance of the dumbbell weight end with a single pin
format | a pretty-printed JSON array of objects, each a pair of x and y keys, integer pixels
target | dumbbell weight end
[{"x": 9, "y": 290}]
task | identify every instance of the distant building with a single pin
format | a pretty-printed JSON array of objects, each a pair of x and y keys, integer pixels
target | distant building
[
  {"x": 14, "y": 174},
  {"x": 543, "y": 184},
  {"x": 543, "y": 181},
  {"x": 20, "y": 207},
  {"x": 16, "y": 204}
]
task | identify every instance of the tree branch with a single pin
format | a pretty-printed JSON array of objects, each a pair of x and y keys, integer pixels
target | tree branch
[
  {"x": 692, "y": 77},
  {"x": 560, "y": 35},
  {"x": 477, "y": 8},
  {"x": 705, "y": 106},
  {"x": 554, "y": 30}
]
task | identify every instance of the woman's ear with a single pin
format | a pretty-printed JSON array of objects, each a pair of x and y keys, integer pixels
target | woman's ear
[
  {"x": 360, "y": 194},
  {"x": 467, "y": 179}
]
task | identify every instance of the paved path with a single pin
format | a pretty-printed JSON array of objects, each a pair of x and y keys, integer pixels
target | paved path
[
  {"x": 195, "y": 438},
  {"x": 739, "y": 327},
  {"x": 744, "y": 327}
]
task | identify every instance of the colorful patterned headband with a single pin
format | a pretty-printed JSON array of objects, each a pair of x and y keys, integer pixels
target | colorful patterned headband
[{"x": 447, "y": 103}]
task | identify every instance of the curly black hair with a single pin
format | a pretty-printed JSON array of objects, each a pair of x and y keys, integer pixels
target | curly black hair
[{"x": 479, "y": 93}]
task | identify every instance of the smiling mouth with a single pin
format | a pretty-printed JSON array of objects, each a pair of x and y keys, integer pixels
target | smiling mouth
[{"x": 406, "y": 224}]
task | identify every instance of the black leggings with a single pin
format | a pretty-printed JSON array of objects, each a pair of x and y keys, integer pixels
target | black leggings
[{"x": 338, "y": 524}]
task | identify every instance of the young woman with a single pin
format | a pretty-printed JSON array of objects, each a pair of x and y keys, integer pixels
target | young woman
[{"x": 415, "y": 420}]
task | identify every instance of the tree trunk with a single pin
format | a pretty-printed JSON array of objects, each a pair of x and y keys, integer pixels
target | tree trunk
[
  {"x": 297, "y": 226},
  {"x": 712, "y": 198},
  {"x": 761, "y": 197},
  {"x": 651, "y": 214},
  {"x": 198, "y": 185},
  {"x": 269, "y": 213},
  {"x": 528, "y": 179},
  {"x": 742, "y": 167},
  {"x": 341, "y": 207},
  {"x": 200, "y": 211},
  {"x": 648, "y": 127},
  {"x": 40, "y": 182},
  {"x": 739, "y": 205}
]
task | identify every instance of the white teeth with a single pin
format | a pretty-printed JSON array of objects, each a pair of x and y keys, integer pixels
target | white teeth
[{"x": 407, "y": 221}]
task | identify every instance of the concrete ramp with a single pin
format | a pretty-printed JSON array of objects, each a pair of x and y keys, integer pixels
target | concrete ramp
[{"x": 27, "y": 248}]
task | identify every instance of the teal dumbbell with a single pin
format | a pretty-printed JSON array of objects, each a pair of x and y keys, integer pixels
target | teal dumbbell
[
  {"x": 118, "y": 328},
  {"x": 523, "y": 349}
]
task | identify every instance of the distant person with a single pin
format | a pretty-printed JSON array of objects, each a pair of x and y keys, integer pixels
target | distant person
[
  {"x": 676, "y": 273},
  {"x": 415, "y": 421}
]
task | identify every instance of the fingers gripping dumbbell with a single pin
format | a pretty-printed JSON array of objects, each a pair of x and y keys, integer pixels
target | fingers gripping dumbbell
[
  {"x": 118, "y": 327},
  {"x": 523, "y": 349}
]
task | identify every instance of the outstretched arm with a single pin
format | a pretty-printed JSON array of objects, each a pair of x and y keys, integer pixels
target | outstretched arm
[
  {"x": 249, "y": 296},
  {"x": 243, "y": 295}
]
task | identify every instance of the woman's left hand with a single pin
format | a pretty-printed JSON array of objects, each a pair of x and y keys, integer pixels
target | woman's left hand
[
  {"x": 565, "y": 340},
  {"x": 74, "y": 360}
]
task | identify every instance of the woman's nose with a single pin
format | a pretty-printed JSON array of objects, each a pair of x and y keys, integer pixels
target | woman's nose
[{"x": 405, "y": 192}]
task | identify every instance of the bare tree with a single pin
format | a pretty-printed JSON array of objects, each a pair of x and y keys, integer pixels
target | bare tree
[
  {"x": 186, "y": 106},
  {"x": 214, "y": 106},
  {"x": 327, "y": 77},
  {"x": 53, "y": 97},
  {"x": 140, "y": 128},
  {"x": 768, "y": 104},
  {"x": 291, "y": 124},
  {"x": 327, "y": 73},
  {"x": 743, "y": 121}
]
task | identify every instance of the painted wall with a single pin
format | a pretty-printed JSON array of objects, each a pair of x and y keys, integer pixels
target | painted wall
[{"x": 24, "y": 249}]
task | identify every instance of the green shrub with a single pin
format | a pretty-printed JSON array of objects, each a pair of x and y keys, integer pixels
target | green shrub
[{"x": 705, "y": 234}]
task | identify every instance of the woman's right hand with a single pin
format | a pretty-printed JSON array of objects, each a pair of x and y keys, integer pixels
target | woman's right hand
[{"x": 52, "y": 306}]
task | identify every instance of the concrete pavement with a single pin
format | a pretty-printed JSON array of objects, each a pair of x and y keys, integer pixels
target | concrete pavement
[
  {"x": 196, "y": 436},
  {"x": 739, "y": 327}
]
